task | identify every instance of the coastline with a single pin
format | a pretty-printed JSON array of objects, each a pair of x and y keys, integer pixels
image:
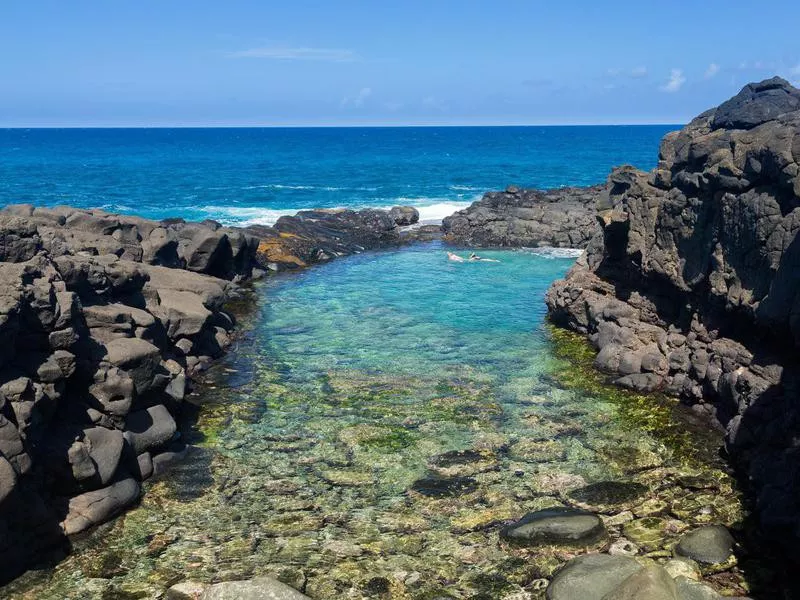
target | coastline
[{"x": 150, "y": 330}]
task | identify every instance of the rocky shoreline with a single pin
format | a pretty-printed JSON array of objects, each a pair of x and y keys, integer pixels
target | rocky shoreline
[
  {"x": 686, "y": 287},
  {"x": 691, "y": 287},
  {"x": 519, "y": 217},
  {"x": 106, "y": 319}
]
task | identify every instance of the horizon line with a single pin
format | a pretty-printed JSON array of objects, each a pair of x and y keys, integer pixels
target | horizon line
[
  {"x": 347, "y": 126},
  {"x": 364, "y": 126}
]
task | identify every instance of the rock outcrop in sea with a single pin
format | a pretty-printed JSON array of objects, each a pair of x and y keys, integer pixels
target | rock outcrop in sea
[
  {"x": 313, "y": 236},
  {"x": 692, "y": 285},
  {"x": 517, "y": 217},
  {"x": 104, "y": 319}
]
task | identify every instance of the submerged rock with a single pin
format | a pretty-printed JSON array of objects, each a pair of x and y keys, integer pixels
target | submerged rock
[
  {"x": 560, "y": 526},
  {"x": 260, "y": 588},
  {"x": 710, "y": 545},
  {"x": 439, "y": 487},
  {"x": 463, "y": 462},
  {"x": 608, "y": 493}
]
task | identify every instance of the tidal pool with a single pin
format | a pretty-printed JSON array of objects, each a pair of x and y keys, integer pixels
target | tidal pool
[{"x": 380, "y": 419}]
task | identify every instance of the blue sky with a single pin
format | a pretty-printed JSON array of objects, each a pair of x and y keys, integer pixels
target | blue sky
[{"x": 341, "y": 62}]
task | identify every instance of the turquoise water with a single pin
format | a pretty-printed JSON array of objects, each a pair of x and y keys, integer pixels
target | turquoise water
[
  {"x": 409, "y": 311},
  {"x": 254, "y": 175},
  {"x": 379, "y": 421}
]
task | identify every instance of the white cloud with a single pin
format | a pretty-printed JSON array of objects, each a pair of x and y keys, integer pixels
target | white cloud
[
  {"x": 711, "y": 71},
  {"x": 284, "y": 53},
  {"x": 675, "y": 81},
  {"x": 393, "y": 106},
  {"x": 358, "y": 100},
  {"x": 795, "y": 70},
  {"x": 638, "y": 72}
]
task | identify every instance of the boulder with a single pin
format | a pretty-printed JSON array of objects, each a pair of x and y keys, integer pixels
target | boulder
[
  {"x": 139, "y": 358},
  {"x": 8, "y": 478},
  {"x": 114, "y": 393},
  {"x": 182, "y": 313},
  {"x": 404, "y": 215},
  {"x": 105, "y": 449},
  {"x": 559, "y": 526},
  {"x": 651, "y": 582},
  {"x": 711, "y": 544},
  {"x": 757, "y": 103},
  {"x": 591, "y": 577},
  {"x": 98, "y": 506},
  {"x": 689, "y": 589},
  {"x": 151, "y": 428},
  {"x": 703, "y": 251}
]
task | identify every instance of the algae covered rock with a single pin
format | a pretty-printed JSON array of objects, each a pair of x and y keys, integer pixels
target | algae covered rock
[{"x": 560, "y": 526}]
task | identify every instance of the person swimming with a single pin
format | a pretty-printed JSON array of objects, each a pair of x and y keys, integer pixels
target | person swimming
[{"x": 473, "y": 257}]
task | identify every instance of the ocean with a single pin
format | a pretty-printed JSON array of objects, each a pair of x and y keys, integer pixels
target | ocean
[{"x": 253, "y": 176}]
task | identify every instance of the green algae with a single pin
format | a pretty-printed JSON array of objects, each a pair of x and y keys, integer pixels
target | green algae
[{"x": 651, "y": 413}]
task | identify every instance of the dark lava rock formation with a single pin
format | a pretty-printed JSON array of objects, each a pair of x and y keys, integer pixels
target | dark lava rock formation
[
  {"x": 313, "y": 236},
  {"x": 103, "y": 320},
  {"x": 692, "y": 285},
  {"x": 560, "y": 218}
]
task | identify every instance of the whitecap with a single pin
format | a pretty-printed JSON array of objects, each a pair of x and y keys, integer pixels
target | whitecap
[
  {"x": 551, "y": 252},
  {"x": 431, "y": 211}
]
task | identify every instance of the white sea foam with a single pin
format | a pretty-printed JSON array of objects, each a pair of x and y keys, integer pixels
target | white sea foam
[
  {"x": 550, "y": 252},
  {"x": 325, "y": 188},
  {"x": 435, "y": 212},
  {"x": 245, "y": 215},
  {"x": 431, "y": 211}
]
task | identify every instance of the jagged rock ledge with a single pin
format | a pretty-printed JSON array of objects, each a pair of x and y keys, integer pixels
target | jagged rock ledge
[
  {"x": 518, "y": 217},
  {"x": 314, "y": 236},
  {"x": 104, "y": 321},
  {"x": 692, "y": 285}
]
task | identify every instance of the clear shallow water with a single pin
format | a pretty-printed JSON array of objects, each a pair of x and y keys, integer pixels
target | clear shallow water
[
  {"x": 254, "y": 175},
  {"x": 382, "y": 418}
]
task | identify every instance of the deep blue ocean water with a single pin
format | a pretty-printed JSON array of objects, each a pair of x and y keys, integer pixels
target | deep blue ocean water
[{"x": 255, "y": 175}]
